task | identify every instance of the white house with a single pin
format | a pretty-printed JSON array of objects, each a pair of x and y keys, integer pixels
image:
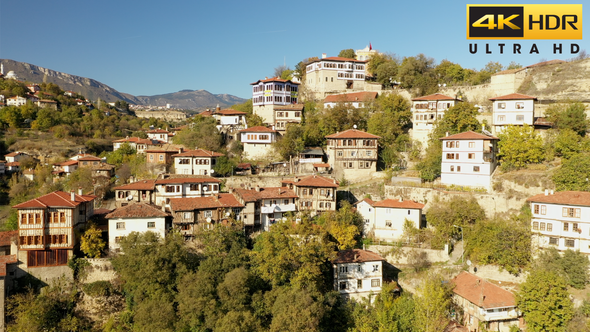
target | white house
[
  {"x": 426, "y": 111},
  {"x": 160, "y": 134},
  {"x": 385, "y": 219},
  {"x": 358, "y": 273},
  {"x": 269, "y": 93},
  {"x": 263, "y": 206},
  {"x": 166, "y": 189},
  {"x": 139, "y": 144},
  {"x": 468, "y": 159},
  {"x": 65, "y": 168},
  {"x": 16, "y": 101},
  {"x": 354, "y": 99},
  {"x": 561, "y": 220},
  {"x": 288, "y": 114},
  {"x": 485, "y": 305},
  {"x": 196, "y": 162},
  {"x": 138, "y": 217},
  {"x": 330, "y": 75},
  {"x": 514, "y": 109},
  {"x": 257, "y": 141}
]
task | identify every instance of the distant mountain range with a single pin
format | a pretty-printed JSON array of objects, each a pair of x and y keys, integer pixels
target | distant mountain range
[{"x": 92, "y": 89}]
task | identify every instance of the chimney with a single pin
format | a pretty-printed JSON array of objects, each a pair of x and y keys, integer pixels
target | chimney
[
  {"x": 179, "y": 150},
  {"x": 218, "y": 108},
  {"x": 546, "y": 192},
  {"x": 79, "y": 190},
  {"x": 257, "y": 188},
  {"x": 483, "y": 127},
  {"x": 231, "y": 190},
  {"x": 163, "y": 207},
  {"x": 401, "y": 199},
  {"x": 447, "y": 135},
  {"x": 324, "y": 55},
  {"x": 356, "y": 256},
  {"x": 296, "y": 179},
  {"x": 72, "y": 196},
  {"x": 551, "y": 191}
]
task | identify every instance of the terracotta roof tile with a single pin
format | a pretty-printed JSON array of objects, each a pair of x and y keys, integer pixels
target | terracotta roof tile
[
  {"x": 274, "y": 79},
  {"x": 158, "y": 131},
  {"x": 67, "y": 163},
  {"x": 13, "y": 163},
  {"x": 316, "y": 181},
  {"x": 7, "y": 237},
  {"x": 290, "y": 107},
  {"x": 208, "y": 202},
  {"x": 4, "y": 260},
  {"x": 55, "y": 199},
  {"x": 136, "y": 140},
  {"x": 322, "y": 165},
  {"x": 357, "y": 256},
  {"x": 436, "y": 96},
  {"x": 351, "y": 97},
  {"x": 353, "y": 133},
  {"x": 258, "y": 129},
  {"x": 395, "y": 203},
  {"x": 468, "y": 135},
  {"x": 581, "y": 198},
  {"x": 514, "y": 96},
  {"x": 230, "y": 112},
  {"x": 482, "y": 293},
  {"x": 252, "y": 195},
  {"x": 198, "y": 153},
  {"x": 139, "y": 185},
  {"x": 14, "y": 154},
  {"x": 89, "y": 158},
  {"x": 138, "y": 210}
]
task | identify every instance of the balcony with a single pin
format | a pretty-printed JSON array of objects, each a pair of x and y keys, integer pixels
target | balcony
[{"x": 501, "y": 315}]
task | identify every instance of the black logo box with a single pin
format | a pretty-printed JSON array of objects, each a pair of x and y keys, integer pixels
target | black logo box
[{"x": 475, "y": 13}]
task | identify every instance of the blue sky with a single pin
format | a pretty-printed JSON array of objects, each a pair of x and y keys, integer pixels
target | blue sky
[{"x": 146, "y": 48}]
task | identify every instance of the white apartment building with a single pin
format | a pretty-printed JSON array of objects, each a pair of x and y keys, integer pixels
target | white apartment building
[
  {"x": 468, "y": 159},
  {"x": 16, "y": 101},
  {"x": 358, "y": 273},
  {"x": 257, "y": 141},
  {"x": 385, "y": 220},
  {"x": 165, "y": 189},
  {"x": 195, "y": 162},
  {"x": 330, "y": 75},
  {"x": 161, "y": 135},
  {"x": 269, "y": 93},
  {"x": 138, "y": 217},
  {"x": 561, "y": 220},
  {"x": 426, "y": 111},
  {"x": 514, "y": 109}
]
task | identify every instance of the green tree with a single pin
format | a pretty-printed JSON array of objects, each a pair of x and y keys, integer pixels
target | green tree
[
  {"x": 224, "y": 166},
  {"x": 458, "y": 211},
  {"x": 519, "y": 146},
  {"x": 417, "y": 73},
  {"x": 544, "y": 301},
  {"x": 573, "y": 173},
  {"x": 568, "y": 143},
  {"x": 569, "y": 116},
  {"x": 203, "y": 134},
  {"x": 91, "y": 242},
  {"x": 292, "y": 142},
  {"x": 347, "y": 53},
  {"x": 433, "y": 304},
  {"x": 392, "y": 118},
  {"x": 572, "y": 266},
  {"x": 345, "y": 225}
]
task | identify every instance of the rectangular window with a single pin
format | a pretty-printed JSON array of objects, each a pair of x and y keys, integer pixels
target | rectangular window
[
  {"x": 120, "y": 225},
  {"x": 575, "y": 227},
  {"x": 342, "y": 285},
  {"x": 359, "y": 284},
  {"x": 570, "y": 243},
  {"x": 151, "y": 224},
  {"x": 501, "y": 118},
  {"x": 519, "y": 117},
  {"x": 535, "y": 225},
  {"x": 519, "y": 106},
  {"x": 187, "y": 215},
  {"x": 549, "y": 227},
  {"x": 208, "y": 214},
  {"x": 536, "y": 209},
  {"x": 543, "y": 209},
  {"x": 458, "y": 168},
  {"x": 566, "y": 226},
  {"x": 542, "y": 226},
  {"x": 501, "y": 106},
  {"x": 471, "y": 144},
  {"x": 452, "y": 168},
  {"x": 375, "y": 283},
  {"x": 553, "y": 241},
  {"x": 471, "y": 156}
]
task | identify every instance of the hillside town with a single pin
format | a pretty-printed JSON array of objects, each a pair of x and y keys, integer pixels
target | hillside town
[{"x": 332, "y": 200}]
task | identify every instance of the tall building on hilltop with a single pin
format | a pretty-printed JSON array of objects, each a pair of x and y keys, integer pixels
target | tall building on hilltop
[
  {"x": 426, "y": 111},
  {"x": 270, "y": 93}
]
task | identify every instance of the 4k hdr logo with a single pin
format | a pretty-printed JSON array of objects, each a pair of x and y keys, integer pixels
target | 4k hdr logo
[{"x": 524, "y": 21}]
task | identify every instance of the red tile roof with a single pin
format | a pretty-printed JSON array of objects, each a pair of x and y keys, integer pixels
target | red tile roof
[
  {"x": 7, "y": 237},
  {"x": 206, "y": 113},
  {"x": 230, "y": 112},
  {"x": 209, "y": 202},
  {"x": 337, "y": 58},
  {"x": 581, "y": 198},
  {"x": 188, "y": 180},
  {"x": 482, "y": 293},
  {"x": 544, "y": 63},
  {"x": 139, "y": 185},
  {"x": 67, "y": 163},
  {"x": 468, "y": 135},
  {"x": 514, "y": 96},
  {"x": 315, "y": 181},
  {"x": 274, "y": 79},
  {"x": 89, "y": 158},
  {"x": 138, "y": 210},
  {"x": 357, "y": 256},
  {"x": 395, "y": 203},
  {"x": 353, "y": 133},
  {"x": 258, "y": 129},
  {"x": 169, "y": 148},
  {"x": 136, "y": 140},
  {"x": 252, "y": 195},
  {"x": 14, "y": 154},
  {"x": 55, "y": 199},
  {"x": 368, "y": 200},
  {"x": 351, "y": 97},
  {"x": 436, "y": 96},
  {"x": 13, "y": 163},
  {"x": 4, "y": 260},
  {"x": 198, "y": 153},
  {"x": 322, "y": 165}
]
